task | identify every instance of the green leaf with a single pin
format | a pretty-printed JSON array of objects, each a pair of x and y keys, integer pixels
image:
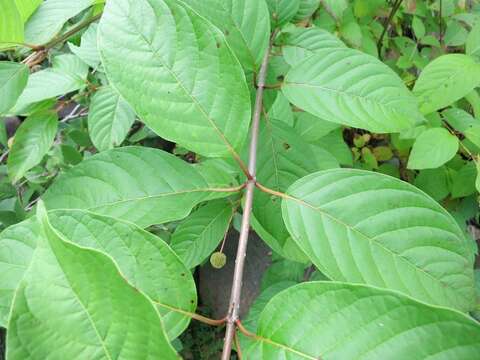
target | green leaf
[
  {"x": 198, "y": 236},
  {"x": 367, "y": 95},
  {"x": 32, "y": 141},
  {"x": 306, "y": 9},
  {"x": 473, "y": 41},
  {"x": 335, "y": 7},
  {"x": 74, "y": 302},
  {"x": 463, "y": 182},
  {"x": 477, "y": 181},
  {"x": 366, "y": 227},
  {"x": 109, "y": 119},
  {"x": 144, "y": 259},
  {"x": 433, "y": 148},
  {"x": 88, "y": 51},
  {"x": 13, "y": 79},
  {"x": 300, "y": 43},
  {"x": 325, "y": 320},
  {"x": 167, "y": 61},
  {"x": 245, "y": 24},
  {"x": 283, "y": 158},
  {"x": 49, "y": 18},
  {"x": 27, "y": 7},
  {"x": 282, "y": 11},
  {"x": 312, "y": 128},
  {"x": 334, "y": 144},
  {"x": 11, "y": 24},
  {"x": 434, "y": 182},
  {"x": 445, "y": 80},
  {"x": 142, "y": 185},
  {"x": 67, "y": 74},
  {"x": 418, "y": 27}
]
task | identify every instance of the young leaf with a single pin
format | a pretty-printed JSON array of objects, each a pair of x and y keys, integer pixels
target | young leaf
[
  {"x": 245, "y": 23},
  {"x": 327, "y": 320},
  {"x": 282, "y": 11},
  {"x": 366, "y": 227},
  {"x": 351, "y": 88},
  {"x": 445, "y": 80},
  {"x": 142, "y": 185},
  {"x": 300, "y": 43},
  {"x": 109, "y": 119},
  {"x": 50, "y": 17},
  {"x": 433, "y": 148},
  {"x": 283, "y": 157},
  {"x": 13, "y": 79},
  {"x": 177, "y": 72},
  {"x": 198, "y": 236},
  {"x": 32, "y": 141},
  {"x": 73, "y": 302},
  {"x": 11, "y": 24}
]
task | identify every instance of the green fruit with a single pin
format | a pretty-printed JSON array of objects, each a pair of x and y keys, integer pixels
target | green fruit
[{"x": 218, "y": 260}]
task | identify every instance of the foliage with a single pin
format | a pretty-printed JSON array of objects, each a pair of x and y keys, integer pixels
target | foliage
[{"x": 137, "y": 133}]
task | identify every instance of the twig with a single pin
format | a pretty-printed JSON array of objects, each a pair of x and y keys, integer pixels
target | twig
[
  {"x": 440, "y": 24},
  {"x": 194, "y": 316},
  {"x": 237, "y": 345},
  {"x": 387, "y": 22},
  {"x": 234, "y": 305},
  {"x": 4, "y": 155}
]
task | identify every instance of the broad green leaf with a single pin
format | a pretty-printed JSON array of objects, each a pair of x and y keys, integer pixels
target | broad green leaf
[
  {"x": 68, "y": 73},
  {"x": 300, "y": 43},
  {"x": 282, "y": 11},
  {"x": 335, "y": 7},
  {"x": 177, "y": 72},
  {"x": 74, "y": 302},
  {"x": 144, "y": 260},
  {"x": 306, "y": 9},
  {"x": 27, "y": 7},
  {"x": 312, "y": 128},
  {"x": 283, "y": 158},
  {"x": 365, "y": 227},
  {"x": 245, "y": 24},
  {"x": 198, "y": 236},
  {"x": 325, "y": 320},
  {"x": 13, "y": 79},
  {"x": 109, "y": 119},
  {"x": 11, "y": 24},
  {"x": 32, "y": 141},
  {"x": 473, "y": 41},
  {"x": 88, "y": 51},
  {"x": 351, "y": 88},
  {"x": 434, "y": 182},
  {"x": 445, "y": 80},
  {"x": 433, "y": 148},
  {"x": 142, "y": 185},
  {"x": 49, "y": 18}
]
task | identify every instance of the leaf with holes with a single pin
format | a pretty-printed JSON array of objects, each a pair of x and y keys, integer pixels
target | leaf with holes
[
  {"x": 177, "y": 72},
  {"x": 138, "y": 184},
  {"x": 67, "y": 292},
  {"x": 328, "y": 320},
  {"x": 365, "y": 227},
  {"x": 351, "y": 88}
]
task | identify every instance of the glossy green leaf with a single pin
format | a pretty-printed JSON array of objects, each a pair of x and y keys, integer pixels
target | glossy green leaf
[
  {"x": 27, "y": 7},
  {"x": 306, "y": 9},
  {"x": 245, "y": 24},
  {"x": 282, "y": 11},
  {"x": 49, "y": 18},
  {"x": 433, "y": 148},
  {"x": 32, "y": 141},
  {"x": 88, "y": 50},
  {"x": 351, "y": 88},
  {"x": 13, "y": 79},
  {"x": 67, "y": 74},
  {"x": 73, "y": 302},
  {"x": 445, "y": 80},
  {"x": 144, "y": 260},
  {"x": 177, "y": 72},
  {"x": 138, "y": 184},
  {"x": 11, "y": 24},
  {"x": 198, "y": 236},
  {"x": 325, "y": 320},
  {"x": 300, "y": 43},
  {"x": 365, "y": 227},
  {"x": 283, "y": 158},
  {"x": 109, "y": 119}
]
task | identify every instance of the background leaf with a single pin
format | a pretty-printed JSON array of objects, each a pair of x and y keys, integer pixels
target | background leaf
[
  {"x": 165, "y": 60},
  {"x": 282, "y": 11},
  {"x": 366, "y": 227},
  {"x": 27, "y": 7}
]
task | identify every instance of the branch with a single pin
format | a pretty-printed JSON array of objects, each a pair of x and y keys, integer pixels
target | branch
[
  {"x": 194, "y": 316},
  {"x": 234, "y": 305},
  {"x": 387, "y": 22}
]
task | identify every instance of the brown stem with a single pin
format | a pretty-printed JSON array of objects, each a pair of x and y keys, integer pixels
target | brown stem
[
  {"x": 237, "y": 345},
  {"x": 194, "y": 316},
  {"x": 234, "y": 304}
]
